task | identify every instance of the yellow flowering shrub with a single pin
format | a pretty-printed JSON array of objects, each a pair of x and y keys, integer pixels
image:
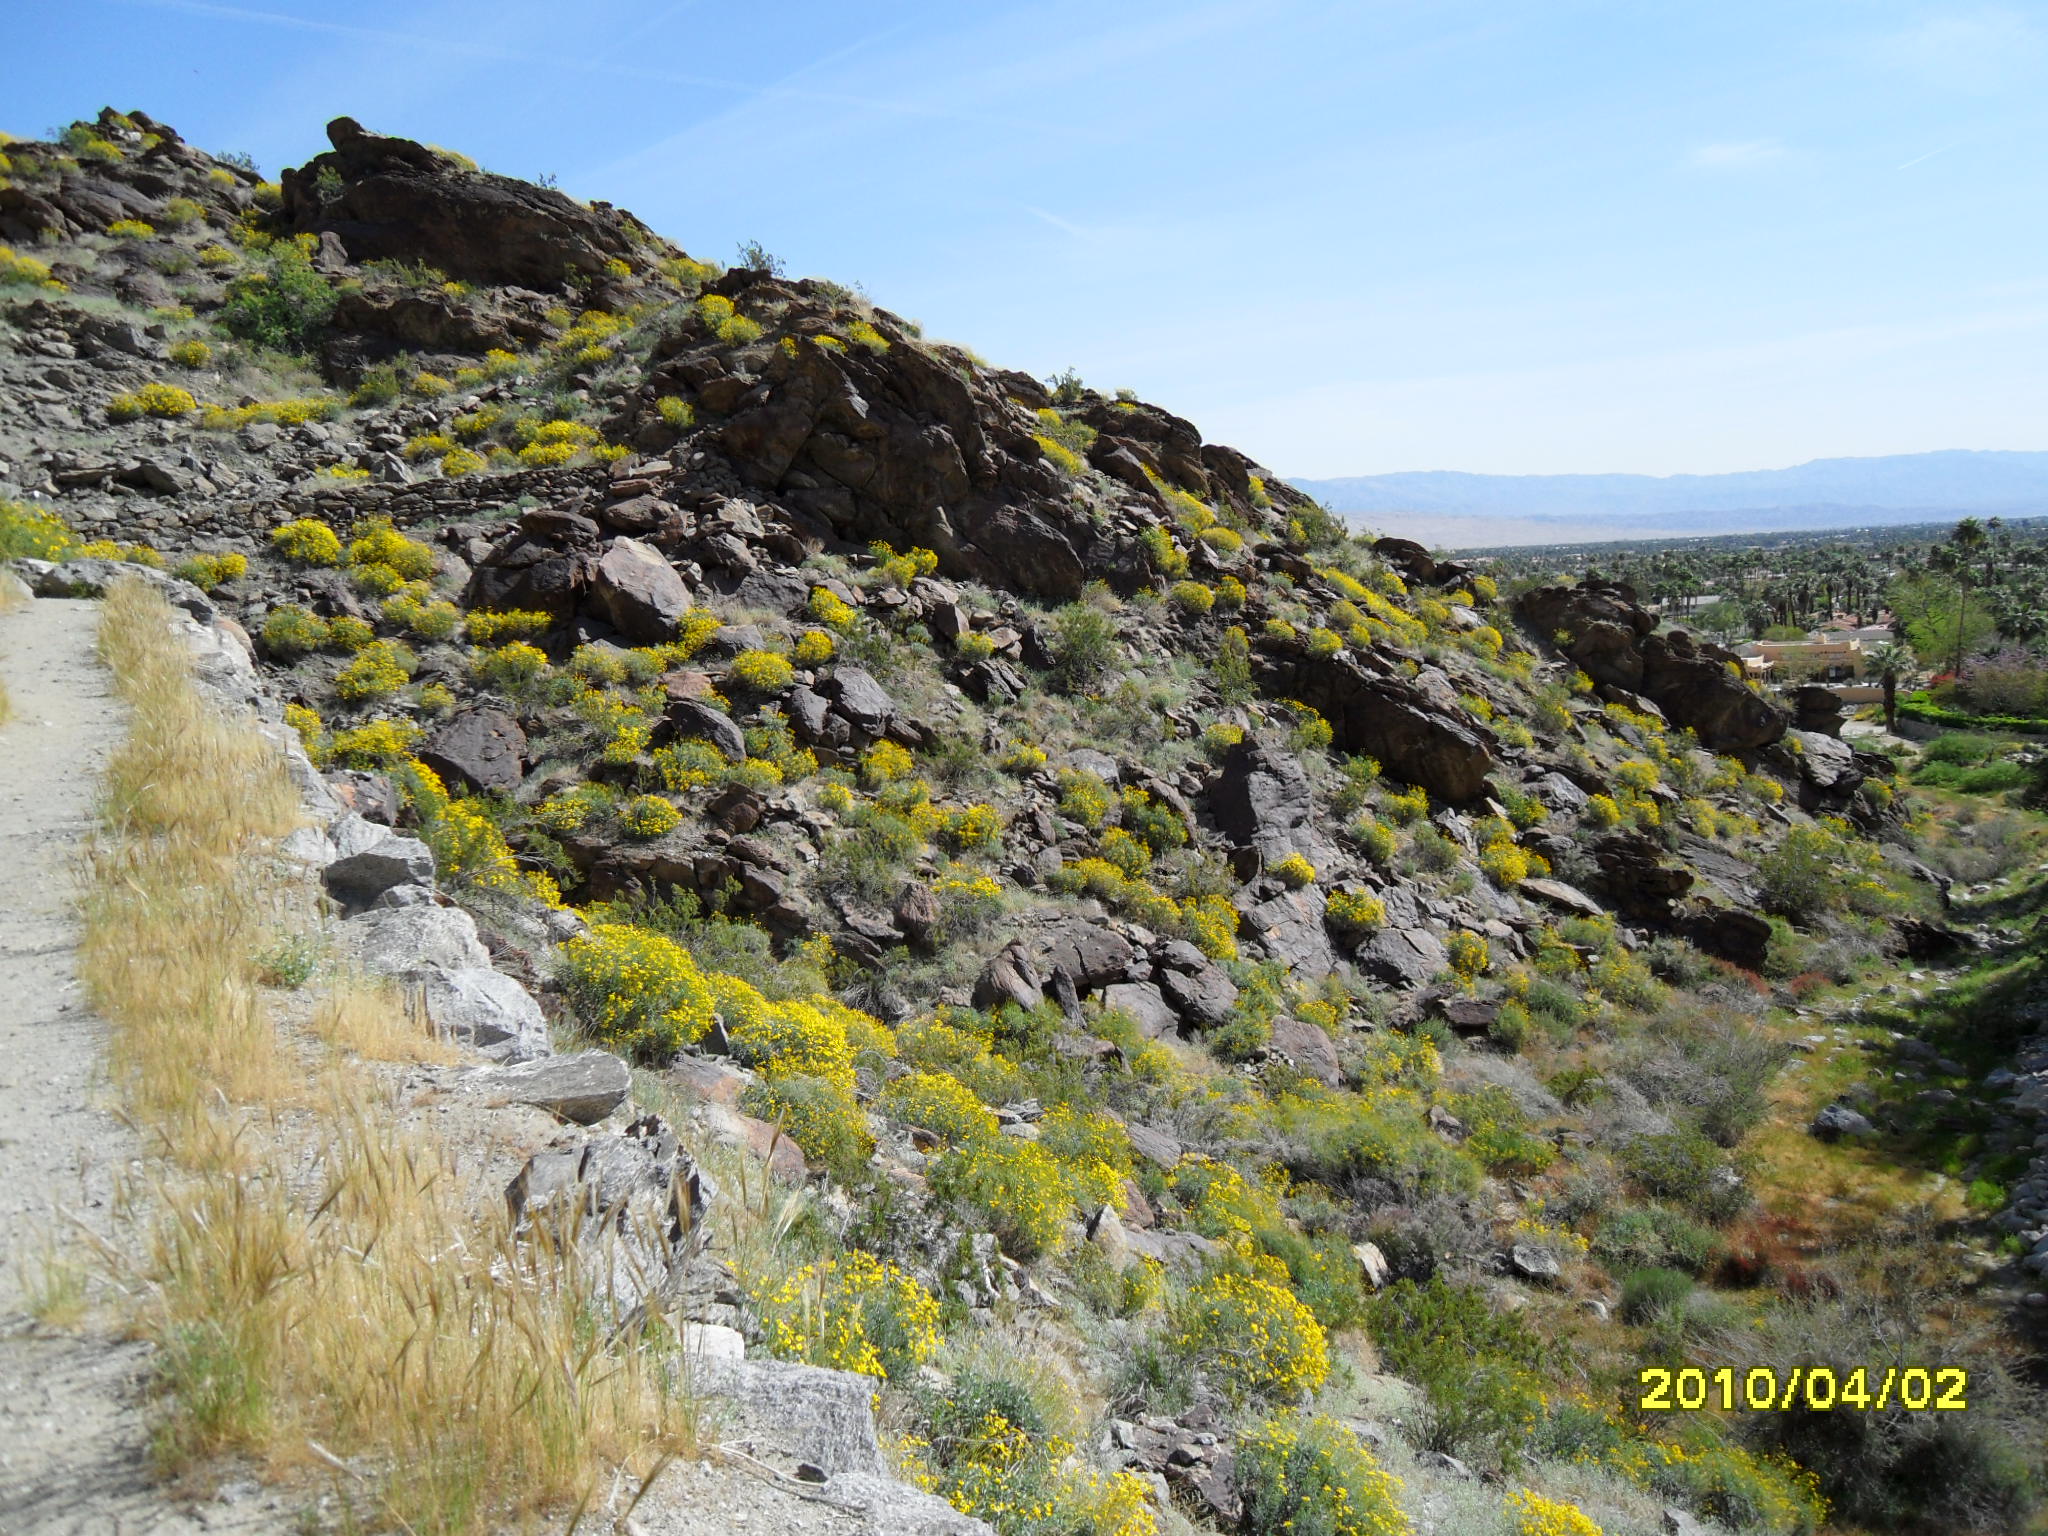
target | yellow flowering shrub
[
  {"x": 190, "y": 353},
  {"x": 790, "y": 1038},
  {"x": 1504, "y": 863},
  {"x": 1191, "y": 597},
  {"x": 1015, "y": 1189},
  {"x": 469, "y": 850},
  {"x": 131, "y": 554},
  {"x": 823, "y": 1118},
  {"x": 1220, "y": 738},
  {"x": 283, "y": 413},
  {"x": 209, "y": 571},
  {"x": 382, "y": 544},
  {"x": 939, "y": 1103},
  {"x": 379, "y": 670},
  {"x": 1354, "y": 912},
  {"x": 17, "y": 271},
  {"x": 1602, "y": 811},
  {"x": 131, "y": 229},
  {"x": 636, "y": 990},
  {"x": 974, "y": 826},
  {"x": 509, "y": 666},
  {"x": 862, "y": 334},
  {"x": 831, "y": 610},
  {"x": 488, "y": 629},
  {"x": 306, "y": 722},
  {"x": 884, "y": 763},
  {"x": 1084, "y": 797},
  {"x": 648, "y": 816},
  {"x": 901, "y": 570},
  {"x": 307, "y": 542},
  {"x": 814, "y": 647},
  {"x": 1469, "y": 954},
  {"x": 1534, "y": 1515},
  {"x": 1211, "y": 925},
  {"x": 761, "y": 671},
  {"x": 1023, "y": 759},
  {"x": 852, "y": 1313},
  {"x": 1298, "y": 1474},
  {"x": 164, "y": 400},
  {"x": 1295, "y": 870},
  {"x": 378, "y": 744},
  {"x": 1252, "y": 1337}
]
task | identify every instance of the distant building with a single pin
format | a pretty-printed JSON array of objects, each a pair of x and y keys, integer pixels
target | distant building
[{"x": 1822, "y": 657}]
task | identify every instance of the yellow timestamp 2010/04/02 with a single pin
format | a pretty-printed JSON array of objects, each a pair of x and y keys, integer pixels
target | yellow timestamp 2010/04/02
[{"x": 1762, "y": 1389}]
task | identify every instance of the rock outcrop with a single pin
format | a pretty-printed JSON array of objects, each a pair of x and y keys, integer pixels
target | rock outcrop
[
  {"x": 1602, "y": 629},
  {"x": 392, "y": 199}
]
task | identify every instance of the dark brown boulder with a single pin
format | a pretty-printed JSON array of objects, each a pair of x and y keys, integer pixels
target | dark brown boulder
[
  {"x": 389, "y": 198},
  {"x": 1740, "y": 938},
  {"x": 523, "y": 572},
  {"x": 1602, "y": 629},
  {"x": 479, "y": 749},
  {"x": 1635, "y": 879},
  {"x": 1387, "y": 717},
  {"x": 1261, "y": 797}
]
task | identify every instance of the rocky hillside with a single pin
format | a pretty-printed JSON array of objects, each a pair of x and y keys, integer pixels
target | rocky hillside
[{"x": 1288, "y": 986}]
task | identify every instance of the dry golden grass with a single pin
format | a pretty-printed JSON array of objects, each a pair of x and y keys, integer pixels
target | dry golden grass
[
  {"x": 378, "y": 1021},
  {"x": 325, "y": 1288}
]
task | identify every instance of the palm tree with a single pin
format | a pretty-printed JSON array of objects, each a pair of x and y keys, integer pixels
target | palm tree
[{"x": 1888, "y": 661}]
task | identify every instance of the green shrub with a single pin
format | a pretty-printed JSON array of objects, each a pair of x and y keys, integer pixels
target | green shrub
[
  {"x": 1084, "y": 644},
  {"x": 1649, "y": 1294},
  {"x": 1686, "y": 1167},
  {"x": 1480, "y": 1371},
  {"x": 284, "y": 306},
  {"x": 821, "y": 1117}
]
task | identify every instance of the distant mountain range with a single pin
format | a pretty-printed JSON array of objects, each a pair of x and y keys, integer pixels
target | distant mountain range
[{"x": 1451, "y": 509}]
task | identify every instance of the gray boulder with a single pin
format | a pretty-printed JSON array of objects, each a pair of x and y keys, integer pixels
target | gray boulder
[
  {"x": 584, "y": 1087},
  {"x": 1533, "y": 1263},
  {"x": 1261, "y": 798},
  {"x": 1092, "y": 954},
  {"x": 1307, "y": 1049},
  {"x": 639, "y": 592},
  {"x": 484, "y": 1009},
  {"x": 1154, "y": 1017},
  {"x": 1289, "y": 927},
  {"x": 394, "y": 941},
  {"x": 860, "y": 701},
  {"x": 1009, "y": 977},
  {"x": 1403, "y": 957},
  {"x": 369, "y": 860},
  {"x": 1839, "y": 1120},
  {"x": 633, "y": 1202},
  {"x": 1202, "y": 996}
]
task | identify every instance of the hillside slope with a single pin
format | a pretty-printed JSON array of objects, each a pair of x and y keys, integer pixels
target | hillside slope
[{"x": 1248, "y": 1002}]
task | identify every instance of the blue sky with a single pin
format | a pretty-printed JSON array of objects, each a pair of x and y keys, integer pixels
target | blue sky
[{"x": 1516, "y": 236}]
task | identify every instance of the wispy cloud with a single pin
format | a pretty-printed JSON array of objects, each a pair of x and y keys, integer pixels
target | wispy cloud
[
  {"x": 1065, "y": 226},
  {"x": 1735, "y": 155},
  {"x": 1977, "y": 51},
  {"x": 1907, "y": 165}
]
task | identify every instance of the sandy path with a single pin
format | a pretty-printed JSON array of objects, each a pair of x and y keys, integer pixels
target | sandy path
[{"x": 73, "y": 1437}]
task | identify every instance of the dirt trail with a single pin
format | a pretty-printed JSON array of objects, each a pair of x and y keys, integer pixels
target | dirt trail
[{"x": 73, "y": 1436}]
